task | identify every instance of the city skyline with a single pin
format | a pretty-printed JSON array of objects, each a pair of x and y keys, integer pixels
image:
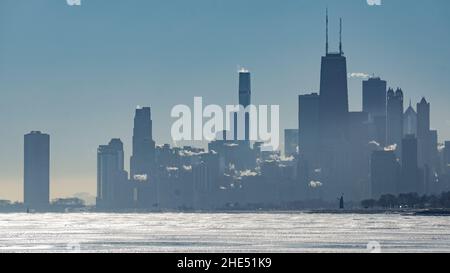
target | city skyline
[{"x": 55, "y": 129}]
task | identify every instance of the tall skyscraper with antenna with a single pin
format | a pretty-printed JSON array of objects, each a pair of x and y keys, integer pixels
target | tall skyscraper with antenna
[
  {"x": 333, "y": 90},
  {"x": 333, "y": 118}
]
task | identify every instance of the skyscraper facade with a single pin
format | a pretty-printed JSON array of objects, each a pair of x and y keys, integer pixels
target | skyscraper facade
[
  {"x": 36, "y": 170},
  {"x": 334, "y": 122},
  {"x": 111, "y": 174},
  {"x": 394, "y": 122},
  {"x": 308, "y": 133},
  {"x": 143, "y": 158},
  {"x": 374, "y": 104},
  {"x": 410, "y": 121},
  {"x": 411, "y": 180},
  {"x": 244, "y": 100},
  {"x": 423, "y": 133}
]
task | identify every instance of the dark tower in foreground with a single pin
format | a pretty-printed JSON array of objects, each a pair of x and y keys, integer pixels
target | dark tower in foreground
[
  {"x": 37, "y": 170},
  {"x": 333, "y": 92},
  {"x": 333, "y": 120},
  {"x": 143, "y": 158}
]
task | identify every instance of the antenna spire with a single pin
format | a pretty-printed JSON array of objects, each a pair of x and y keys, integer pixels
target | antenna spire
[
  {"x": 326, "y": 46},
  {"x": 340, "y": 36}
]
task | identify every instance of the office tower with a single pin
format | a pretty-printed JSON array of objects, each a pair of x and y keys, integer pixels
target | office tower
[
  {"x": 394, "y": 121},
  {"x": 244, "y": 100},
  {"x": 308, "y": 133},
  {"x": 410, "y": 121},
  {"x": 374, "y": 97},
  {"x": 411, "y": 181},
  {"x": 333, "y": 121},
  {"x": 423, "y": 133},
  {"x": 374, "y": 104},
  {"x": 290, "y": 142},
  {"x": 111, "y": 175},
  {"x": 143, "y": 159},
  {"x": 333, "y": 93},
  {"x": 36, "y": 170},
  {"x": 384, "y": 173}
]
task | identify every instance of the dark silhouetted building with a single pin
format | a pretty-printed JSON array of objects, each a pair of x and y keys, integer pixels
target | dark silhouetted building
[
  {"x": 142, "y": 160},
  {"x": 290, "y": 142},
  {"x": 423, "y": 133},
  {"x": 384, "y": 173},
  {"x": 308, "y": 124},
  {"x": 410, "y": 121},
  {"x": 245, "y": 94},
  {"x": 411, "y": 181},
  {"x": 374, "y": 104},
  {"x": 394, "y": 121},
  {"x": 37, "y": 170},
  {"x": 113, "y": 189},
  {"x": 334, "y": 124}
]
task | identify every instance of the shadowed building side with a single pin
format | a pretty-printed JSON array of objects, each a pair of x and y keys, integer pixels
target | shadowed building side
[{"x": 36, "y": 170}]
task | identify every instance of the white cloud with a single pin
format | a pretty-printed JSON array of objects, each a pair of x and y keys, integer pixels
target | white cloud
[
  {"x": 358, "y": 75},
  {"x": 373, "y": 2}
]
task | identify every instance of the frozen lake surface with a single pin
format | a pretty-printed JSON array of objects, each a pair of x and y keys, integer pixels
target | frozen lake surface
[{"x": 222, "y": 232}]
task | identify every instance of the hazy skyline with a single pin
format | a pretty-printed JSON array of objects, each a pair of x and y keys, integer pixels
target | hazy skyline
[{"x": 78, "y": 73}]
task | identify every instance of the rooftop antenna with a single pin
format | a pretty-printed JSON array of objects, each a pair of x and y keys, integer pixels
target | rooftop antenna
[
  {"x": 340, "y": 36},
  {"x": 326, "y": 47}
]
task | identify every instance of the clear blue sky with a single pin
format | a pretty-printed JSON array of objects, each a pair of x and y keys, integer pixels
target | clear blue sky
[{"x": 77, "y": 73}]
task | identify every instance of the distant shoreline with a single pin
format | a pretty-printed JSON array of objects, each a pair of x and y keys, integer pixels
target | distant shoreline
[{"x": 409, "y": 212}]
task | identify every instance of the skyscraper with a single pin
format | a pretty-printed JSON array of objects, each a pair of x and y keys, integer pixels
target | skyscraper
[
  {"x": 411, "y": 181},
  {"x": 143, "y": 158},
  {"x": 394, "y": 122},
  {"x": 111, "y": 175},
  {"x": 36, "y": 170},
  {"x": 384, "y": 173},
  {"x": 410, "y": 121},
  {"x": 423, "y": 133},
  {"x": 333, "y": 121},
  {"x": 374, "y": 97},
  {"x": 374, "y": 104},
  {"x": 333, "y": 93},
  {"x": 290, "y": 142},
  {"x": 308, "y": 133},
  {"x": 244, "y": 100}
]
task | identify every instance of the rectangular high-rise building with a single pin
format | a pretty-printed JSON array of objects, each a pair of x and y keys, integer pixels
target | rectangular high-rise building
[
  {"x": 36, "y": 170},
  {"x": 245, "y": 95},
  {"x": 374, "y": 97},
  {"x": 394, "y": 119},
  {"x": 308, "y": 132},
  {"x": 411, "y": 181},
  {"x": 374, "y": 104},
  {"x": 111, "y": 175},
  {"x": 423, "y": 134},
  {"x": 143, "y": 158}
]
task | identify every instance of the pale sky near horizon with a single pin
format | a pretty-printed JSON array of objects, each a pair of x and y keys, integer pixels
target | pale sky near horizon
[{"x": 78, "y": 73}]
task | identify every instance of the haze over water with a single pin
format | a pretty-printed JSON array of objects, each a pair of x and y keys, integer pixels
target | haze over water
[{"x": 235, "y": 232}]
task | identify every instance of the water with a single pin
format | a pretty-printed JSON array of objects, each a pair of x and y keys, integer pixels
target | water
[{"x": 239, "y": 232}]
